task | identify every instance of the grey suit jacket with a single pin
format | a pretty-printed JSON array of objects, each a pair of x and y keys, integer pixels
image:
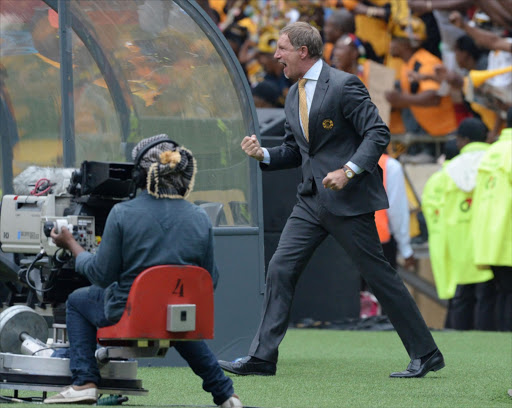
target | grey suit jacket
[{"x": 344, "y": 125}]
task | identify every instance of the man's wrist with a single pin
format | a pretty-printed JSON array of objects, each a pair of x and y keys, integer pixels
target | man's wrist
[{"x": 349, "y": 172}]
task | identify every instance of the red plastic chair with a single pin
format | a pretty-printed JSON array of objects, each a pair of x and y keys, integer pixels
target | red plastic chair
[{"x": 155, "y": 295}]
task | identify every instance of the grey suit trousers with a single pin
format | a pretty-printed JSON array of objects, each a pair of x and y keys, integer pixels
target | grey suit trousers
[{"x": 306, "y": 228}]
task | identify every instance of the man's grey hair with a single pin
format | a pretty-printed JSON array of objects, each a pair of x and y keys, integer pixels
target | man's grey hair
[{"x": 303, "y": 34}]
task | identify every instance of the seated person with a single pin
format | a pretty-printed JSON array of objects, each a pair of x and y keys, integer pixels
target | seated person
[{"x": 158, "y": 227}]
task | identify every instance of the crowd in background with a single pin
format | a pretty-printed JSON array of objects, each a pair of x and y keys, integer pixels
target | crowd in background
[
  {"x": 431, "y": 45},
  {"x": 452, "y": 67}
]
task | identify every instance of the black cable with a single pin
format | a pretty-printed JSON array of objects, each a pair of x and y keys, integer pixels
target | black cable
[
  {"x": 62, "y": 260},
  {"x": 27, "y": 277},
  {"x": 52, "y": 276}
]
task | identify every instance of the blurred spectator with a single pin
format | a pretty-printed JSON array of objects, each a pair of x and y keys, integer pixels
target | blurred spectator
[
  {"x": 478, "y": 102},
  {"x": 373, "y": 18},
  {"x": 312, "y": 12},
  {"x": 267, "y": 95},
  {"x": 441, "y": 10},
  {"x": 491, "y": 227},
  {"x": 271, "y": 70},
  {"x": 433, "y": 38},
  {"x": 339, "y": 23},
  {"x": 470, "y": 57},
  {"x": 348, "y": 53},
  {"x": 236, "y": 37},
  {"x": 500, "y": 55},
  {"x": 243, "y": 47},
  {"x": 239, "y": 12},
  {"x": 483, "y": 31},
  {"x": 372, "y": 23},
  {"x": 447, "y": 199},
  {"x": 467, "y": 57},
  {"x": 423, "y": 98},
  {"x": 488, "y": 98}
]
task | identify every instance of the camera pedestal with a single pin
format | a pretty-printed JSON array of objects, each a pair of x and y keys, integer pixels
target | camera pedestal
[{"x": 23, "y": 335}]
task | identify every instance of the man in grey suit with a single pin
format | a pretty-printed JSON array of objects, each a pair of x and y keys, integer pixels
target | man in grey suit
[{"x": 337, "y": 139}]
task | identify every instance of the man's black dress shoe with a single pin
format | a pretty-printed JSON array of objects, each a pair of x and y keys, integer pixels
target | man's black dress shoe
[
  {"x": 417, "y": 369},
  {"x": 249, "y": 366}
]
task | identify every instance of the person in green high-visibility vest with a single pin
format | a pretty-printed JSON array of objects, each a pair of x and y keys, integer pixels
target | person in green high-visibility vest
[
  {"x": 492, "y": 220},
  {"x": 447, "y": 202}
]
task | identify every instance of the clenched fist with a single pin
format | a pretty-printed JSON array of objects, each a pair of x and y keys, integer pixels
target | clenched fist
[
  {"x": 251, "y": 147},
  {"x": 335, "y": 180}
]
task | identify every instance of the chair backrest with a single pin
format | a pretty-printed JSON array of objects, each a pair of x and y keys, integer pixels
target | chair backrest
[
  {"x": 153, "y": 310},
  {"x": 215, "y": 211}
]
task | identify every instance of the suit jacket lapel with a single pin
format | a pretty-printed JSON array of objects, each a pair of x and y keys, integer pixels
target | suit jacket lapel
[
  {"x": 318, "y": 98},
  {"x": 294, "y": 105},
  {"x": 294, "y": 120}
]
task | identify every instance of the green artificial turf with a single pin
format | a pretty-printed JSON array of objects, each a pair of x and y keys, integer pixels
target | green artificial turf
[{"x": 331, "y": 368}]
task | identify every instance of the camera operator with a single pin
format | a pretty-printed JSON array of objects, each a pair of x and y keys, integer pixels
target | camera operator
[{"x": 158, "y": 227}]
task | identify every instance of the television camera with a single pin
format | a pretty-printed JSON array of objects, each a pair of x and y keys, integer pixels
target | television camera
[{"x": 26, "y": 222}]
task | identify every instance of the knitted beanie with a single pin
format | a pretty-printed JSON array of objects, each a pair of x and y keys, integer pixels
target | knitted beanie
[{"x": 170, "y": 168}]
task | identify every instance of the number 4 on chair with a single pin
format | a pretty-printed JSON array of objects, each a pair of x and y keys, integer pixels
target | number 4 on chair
[{"x": 179, "y": 289}]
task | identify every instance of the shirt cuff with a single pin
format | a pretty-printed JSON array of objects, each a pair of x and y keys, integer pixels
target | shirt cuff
[
  {"x": 355, "y": 167},
  {"x": 266, "y": 156}
]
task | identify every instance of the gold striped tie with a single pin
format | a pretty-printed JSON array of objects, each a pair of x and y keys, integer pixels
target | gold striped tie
[{"x": 303, "y": 107}]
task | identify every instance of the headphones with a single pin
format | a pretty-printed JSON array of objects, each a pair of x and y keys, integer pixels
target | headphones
[{"x": 138, "y": 172}]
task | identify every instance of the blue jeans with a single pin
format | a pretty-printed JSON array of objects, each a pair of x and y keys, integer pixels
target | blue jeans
[
  {"x": 85, "y": 313},
  {"x": 203, "y": 363}
]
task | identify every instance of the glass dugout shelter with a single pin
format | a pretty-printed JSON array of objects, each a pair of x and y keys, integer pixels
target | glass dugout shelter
[{"x": 86, "y": 80}]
